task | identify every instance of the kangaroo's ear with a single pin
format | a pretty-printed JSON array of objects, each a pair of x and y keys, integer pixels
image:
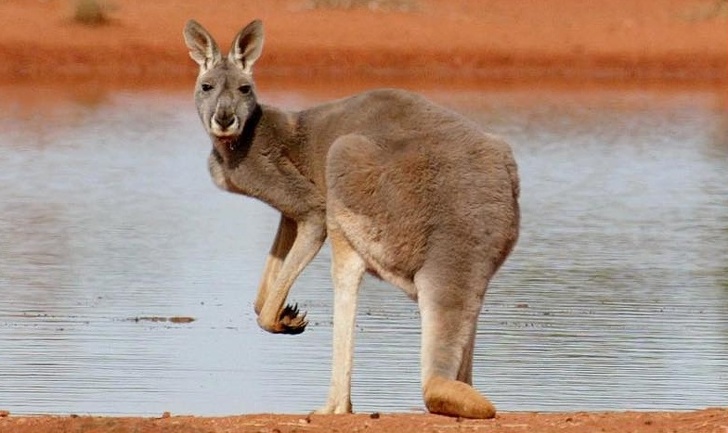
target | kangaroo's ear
[
  {"x": 203, "y": 48},
  {"x": 247, "y": 46}
]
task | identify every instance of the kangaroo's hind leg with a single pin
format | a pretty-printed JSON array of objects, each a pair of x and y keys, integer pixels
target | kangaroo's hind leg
[
  {"x": 449, "y": 307},
  {"x": 466, "y": 366},
  {"x": 347, "y": 270}
]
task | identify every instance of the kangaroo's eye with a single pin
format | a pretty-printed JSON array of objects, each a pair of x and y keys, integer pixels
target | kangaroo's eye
[
  {"x": 206, "y": 87},
  {"x": 245, "y": 89}
]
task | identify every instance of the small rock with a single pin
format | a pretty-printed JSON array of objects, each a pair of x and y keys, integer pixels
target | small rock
[
  {"x": 4, "y": 413},
  {"x": 73, "y": 415},
  {"x": 374, "y": 415},
  {"x": 166, "y": 415}
]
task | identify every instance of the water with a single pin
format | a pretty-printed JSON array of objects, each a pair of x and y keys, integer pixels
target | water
[{"x": 615, "y": 298}]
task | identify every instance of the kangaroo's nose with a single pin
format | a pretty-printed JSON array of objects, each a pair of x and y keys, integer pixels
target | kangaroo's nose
[{"x": 225, "y": 120}]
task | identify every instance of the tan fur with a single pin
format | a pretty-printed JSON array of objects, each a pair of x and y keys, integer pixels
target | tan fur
[
  {"x": 453, "y": 398},
  {"x": 406, "y": 190}
]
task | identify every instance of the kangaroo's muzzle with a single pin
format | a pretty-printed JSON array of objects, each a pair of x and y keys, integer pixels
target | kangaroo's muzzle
[{"x": 224, "y": 124}]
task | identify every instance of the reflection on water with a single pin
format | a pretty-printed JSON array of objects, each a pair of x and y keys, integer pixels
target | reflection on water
[{"x": 615, "y": 298}]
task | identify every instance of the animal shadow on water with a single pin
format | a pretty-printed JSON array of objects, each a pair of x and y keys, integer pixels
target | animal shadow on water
[{"x": 404, "y": 189}]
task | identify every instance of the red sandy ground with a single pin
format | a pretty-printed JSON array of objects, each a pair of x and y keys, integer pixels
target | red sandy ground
[
  {"x": 443, "y": 39},
  {"x": 666, "y": 41},
  {"x": 705, "y": 421}
]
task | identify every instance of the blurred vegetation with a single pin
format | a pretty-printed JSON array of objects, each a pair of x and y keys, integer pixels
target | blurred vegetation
[
  {"x": 708, "y": 11},
  {"x": 91, "y": 12},
  {"x": 720, "y": 9},
  {"x": 388, "y": 5}
]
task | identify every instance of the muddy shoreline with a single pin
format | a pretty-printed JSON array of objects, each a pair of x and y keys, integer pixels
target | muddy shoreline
[{"x": 74, "y": 65}]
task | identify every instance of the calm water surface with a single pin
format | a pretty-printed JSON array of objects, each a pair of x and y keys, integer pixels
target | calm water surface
[{"x": 615, "y": 298}]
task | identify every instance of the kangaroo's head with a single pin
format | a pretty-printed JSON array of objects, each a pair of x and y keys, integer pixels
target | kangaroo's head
[{"x": 225, "y": 92}]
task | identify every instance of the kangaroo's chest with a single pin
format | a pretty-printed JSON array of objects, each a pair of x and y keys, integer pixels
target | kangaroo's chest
[
  {"x": 273, "y": 180},
  {"x": 220, "y": 175}
]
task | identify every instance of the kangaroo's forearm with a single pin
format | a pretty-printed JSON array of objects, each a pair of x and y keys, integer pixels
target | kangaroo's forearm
[
  {"x": 274, "y": 316},
  {"x": 286, "y": 235}
]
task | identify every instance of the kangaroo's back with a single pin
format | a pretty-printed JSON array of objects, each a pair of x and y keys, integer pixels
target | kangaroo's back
[
  {"x": 396, "y": 120},
  {"x": 387, "y": 116}
]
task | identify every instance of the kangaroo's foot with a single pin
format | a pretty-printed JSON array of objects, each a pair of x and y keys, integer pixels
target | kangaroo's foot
[
  {"x": 335, "y": 407},
  {"x": 291, "y": 321},
  {"x": 454, "y": 398}
]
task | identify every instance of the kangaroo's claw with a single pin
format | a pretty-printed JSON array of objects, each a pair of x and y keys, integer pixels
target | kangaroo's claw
[{"x": 292, "y": 321}]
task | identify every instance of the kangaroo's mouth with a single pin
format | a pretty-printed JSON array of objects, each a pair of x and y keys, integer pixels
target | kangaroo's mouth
[{"x": 225, "y": 126}]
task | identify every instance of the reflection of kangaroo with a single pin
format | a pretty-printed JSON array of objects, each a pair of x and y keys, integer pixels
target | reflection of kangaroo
[{"x": 405, "y": 189}]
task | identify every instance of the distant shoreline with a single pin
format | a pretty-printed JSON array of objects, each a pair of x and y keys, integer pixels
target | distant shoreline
[{"x": 148, "y": 64}]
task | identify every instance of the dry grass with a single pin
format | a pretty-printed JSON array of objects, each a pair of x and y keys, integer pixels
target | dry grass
[
  {"x": 715, "y": 9},
  {"x": 385, "y": 5}
]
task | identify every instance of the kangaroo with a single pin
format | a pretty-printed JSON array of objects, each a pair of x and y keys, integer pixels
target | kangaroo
[{"x": 405, "y": 189}]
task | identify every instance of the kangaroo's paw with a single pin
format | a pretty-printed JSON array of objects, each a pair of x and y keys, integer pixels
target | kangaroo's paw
[
  {"x": 291, "y": 321},
  {"x": 454, "y": 398}
]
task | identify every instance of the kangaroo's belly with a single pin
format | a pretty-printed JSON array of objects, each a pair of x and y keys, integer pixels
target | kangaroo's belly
[{"x": 390, "y": 255}]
